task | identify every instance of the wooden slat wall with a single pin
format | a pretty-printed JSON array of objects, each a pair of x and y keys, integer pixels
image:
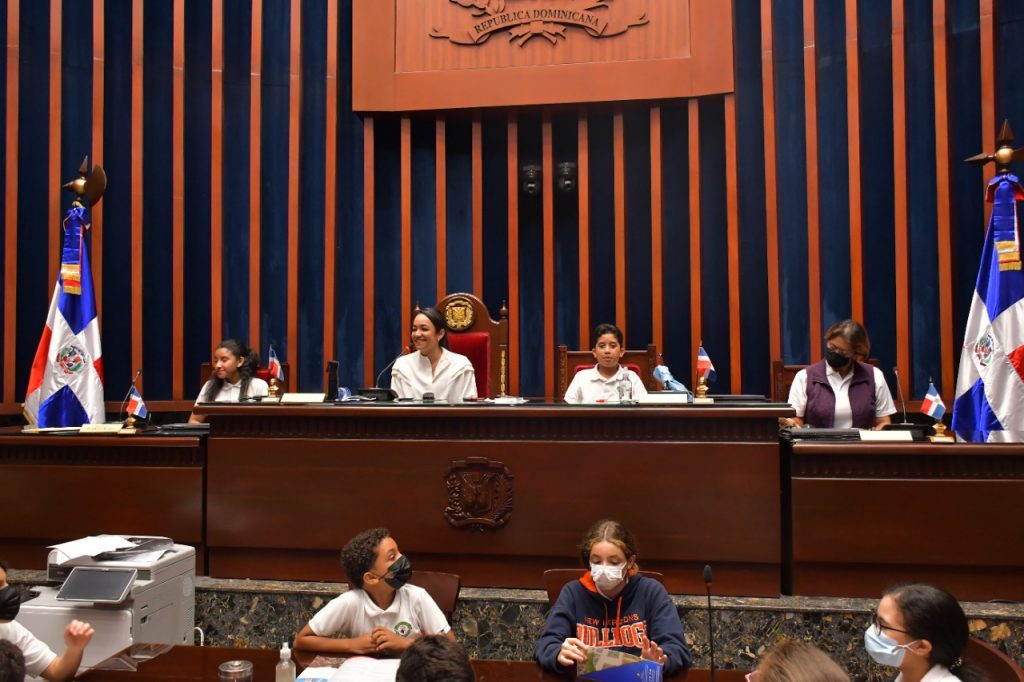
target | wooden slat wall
[
  {"x": 11, "y": 197},
  {"x": 900, "y": 191},
  {"x": 661, "y": 128}
]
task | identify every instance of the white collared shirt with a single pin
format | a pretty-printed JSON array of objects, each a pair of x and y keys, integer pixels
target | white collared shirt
[
  {"x": 453, "y": 380},
  {"x": 229, "y": 392},
  {"x": 589, "y": 386}
]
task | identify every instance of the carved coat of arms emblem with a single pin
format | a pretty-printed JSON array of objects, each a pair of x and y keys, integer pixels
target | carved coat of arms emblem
[
  {"x": 458, "y": 314},
  {"x": 479, "y": 493},
  {"x": 524, "y": 20}
]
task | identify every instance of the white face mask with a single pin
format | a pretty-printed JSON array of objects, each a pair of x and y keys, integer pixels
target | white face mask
[{"x": 607, "y": 576}]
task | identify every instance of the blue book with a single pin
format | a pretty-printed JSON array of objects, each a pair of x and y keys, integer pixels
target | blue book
[{"x": 641, "y": 671}]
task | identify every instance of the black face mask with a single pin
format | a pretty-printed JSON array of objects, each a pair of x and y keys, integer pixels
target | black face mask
[
  {"x": 837, "y": 360},
  {"x": 10, "y": 603},
  {"x": 400, "y": 572}
]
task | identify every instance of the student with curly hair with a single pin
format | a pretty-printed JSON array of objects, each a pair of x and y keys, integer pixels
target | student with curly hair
[
  {"x": 234, "y": 376},
  {"x": 380, "y": 614}
]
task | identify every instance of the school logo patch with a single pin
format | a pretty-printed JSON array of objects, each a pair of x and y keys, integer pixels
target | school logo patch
[
  {"x": 403, "y": 629},
  {"x": 983, "y": 350},
  {"x": 70, "y": 359}
]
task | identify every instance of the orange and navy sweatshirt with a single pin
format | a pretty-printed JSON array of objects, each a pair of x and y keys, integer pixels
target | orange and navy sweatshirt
[{"x": 642, "y": 609}]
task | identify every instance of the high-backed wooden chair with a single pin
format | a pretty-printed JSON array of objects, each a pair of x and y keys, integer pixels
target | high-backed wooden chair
[
  {"x": 206, "y": 372},
  {"x": 568, "y": 362},
  {"x": 783, "y": 375},
  {"x": 557, "y": 578},
  {"x": 443, "y": 588},
  {"x": 472, "y": 332},
  {"x": 998, "y": 667}
]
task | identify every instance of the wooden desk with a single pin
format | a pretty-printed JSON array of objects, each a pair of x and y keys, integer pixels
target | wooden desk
[
  {"x": 62, "y": 487},
  {"x": 201, "y": 663},
  {"x": 867, "y": 516},
  {"x": 288, "y": 485}
]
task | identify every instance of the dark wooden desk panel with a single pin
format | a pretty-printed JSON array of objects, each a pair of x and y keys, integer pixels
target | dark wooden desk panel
[
  {"x": 201, "y": 663},
  {"x": 281, "y": 506},
  {"x": 866, "y": 516},
  {"x": 61, "y": 487}
]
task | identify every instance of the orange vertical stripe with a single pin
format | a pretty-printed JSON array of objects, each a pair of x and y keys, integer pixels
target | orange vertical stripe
[
  {"x": 11, "y": 199},
  {"x": 330, "y": 180},
  {"x": 405, "y": 183},
  {"x": 138, "y": 230},
  {"x": 255, "y": 196},
  {"x": 583, "y": 185},
  {"x": 441, "y": 210},
  {"x": 657, "y": 296},
  {"x": 548, "y": 172},
  {"x": 989, "y": 94},
  {"x": 369, "y": 373},
  {"x": 96, "y": 214},
  {"x": 901, "y": 212},
  {"x": 771, "y": 185},
  {"x": 853, "y": 135},
  {"x": 693, "y": 123},
  {"x": 513, "y": 253},
  {"x": 813, "y": 216},
  {"x": 55, "y": 180},
  {"x": 619, "y": 183},
  {"x": 178, "y": 194},
  {"x": 733, "y": 228},
  {"x": 478, "y": 206},
  {"x": 216, "y": 174},
  {"x": 943, "y": 183},
  {"x": 294, "y": 122}
]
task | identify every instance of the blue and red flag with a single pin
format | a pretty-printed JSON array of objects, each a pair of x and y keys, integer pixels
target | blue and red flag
[
  {"x": 704, "y": 366},
  {"x": 274, "y": 365},
  {"x": 932, "y": 404},
  {"x": 136, "y": 407},
  {"x": 65, "y": 386},
  {"x": 989, "y": 404}
]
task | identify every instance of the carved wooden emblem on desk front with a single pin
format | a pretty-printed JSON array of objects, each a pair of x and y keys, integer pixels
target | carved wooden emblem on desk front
[
  {"x": 479, "y": 493},
  {"x": 548, "y": 19}
]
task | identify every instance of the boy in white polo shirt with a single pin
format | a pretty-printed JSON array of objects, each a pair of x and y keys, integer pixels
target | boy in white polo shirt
[
  {"x": 381, "y": 614},
  {"x": 607, "y": 381}
]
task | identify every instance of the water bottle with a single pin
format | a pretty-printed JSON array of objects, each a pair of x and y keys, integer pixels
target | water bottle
[{"x": 285, "y": 671}]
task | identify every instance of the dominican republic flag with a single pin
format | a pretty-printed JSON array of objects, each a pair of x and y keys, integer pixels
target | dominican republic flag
[
  {"x": 989, "y": 404},
  {"x": 932, "y": 404},
  {"x": 136, "y": 407},
  {"x": 274, "y": 365},
  {"x": 65, "y": 387},
  {"x": 704, "y": 367}
]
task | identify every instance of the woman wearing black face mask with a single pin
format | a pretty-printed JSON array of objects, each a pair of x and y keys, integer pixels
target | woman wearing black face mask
[{"x": 842, "y": 391}]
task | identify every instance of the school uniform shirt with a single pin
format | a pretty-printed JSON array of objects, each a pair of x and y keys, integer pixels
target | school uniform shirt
[
  {"x": 38, "y": 656},
  {"x": 229, "y": 392},
  {"x": 642, "y": 610},
  {"x": 588, "y": 386},
  {"x": 840, "y": 385},
  {"x": 353, "y": 614},
  {"x": 453, "y": 380},
  {"x": 938, "y": 673}
]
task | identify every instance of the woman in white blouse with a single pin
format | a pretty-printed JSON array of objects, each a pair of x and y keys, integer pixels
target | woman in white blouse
[{"x": 431, "y": 367}]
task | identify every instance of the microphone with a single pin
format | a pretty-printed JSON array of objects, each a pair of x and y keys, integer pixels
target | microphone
[
  {"x": 711, "y": 632},
  {"x": 899, "y": 392},
  {"x": 120, "y": 412},
  {"x": 387, "y": 367}
]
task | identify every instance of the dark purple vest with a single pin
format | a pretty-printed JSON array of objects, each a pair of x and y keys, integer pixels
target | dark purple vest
[{"x": 821, "y": 401}]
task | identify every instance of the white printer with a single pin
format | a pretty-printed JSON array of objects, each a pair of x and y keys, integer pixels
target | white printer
[{"x": 140, "y": 591}]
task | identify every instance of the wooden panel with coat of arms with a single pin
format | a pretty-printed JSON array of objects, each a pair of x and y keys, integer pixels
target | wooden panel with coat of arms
[{"x": 447, "y": 54}]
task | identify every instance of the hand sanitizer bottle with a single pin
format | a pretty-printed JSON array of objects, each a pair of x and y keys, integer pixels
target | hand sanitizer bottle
[{"x": 285, "y": 671}]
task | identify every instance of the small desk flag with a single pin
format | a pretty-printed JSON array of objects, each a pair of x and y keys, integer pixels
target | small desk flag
[
  {"x": 274, "y": 365},
  {"x": 704, "y": 366},
  {"x": 136, "y": 407},
  {"x": 932, "y": 404}
]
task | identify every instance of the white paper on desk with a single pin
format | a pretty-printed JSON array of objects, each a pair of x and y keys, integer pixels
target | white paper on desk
[
  {"x": 89, "y": 546},
  {"x": 366, "y": 669},
  {"x": 887, "y": 435},
  {"x": 316, "y": 674}
]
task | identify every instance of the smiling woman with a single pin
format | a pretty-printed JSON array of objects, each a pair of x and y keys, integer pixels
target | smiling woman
[{"x": 431, "y": 368}]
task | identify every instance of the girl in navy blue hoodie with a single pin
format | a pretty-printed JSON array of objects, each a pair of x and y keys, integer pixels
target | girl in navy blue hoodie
[{"x": 612, "y": 606}]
